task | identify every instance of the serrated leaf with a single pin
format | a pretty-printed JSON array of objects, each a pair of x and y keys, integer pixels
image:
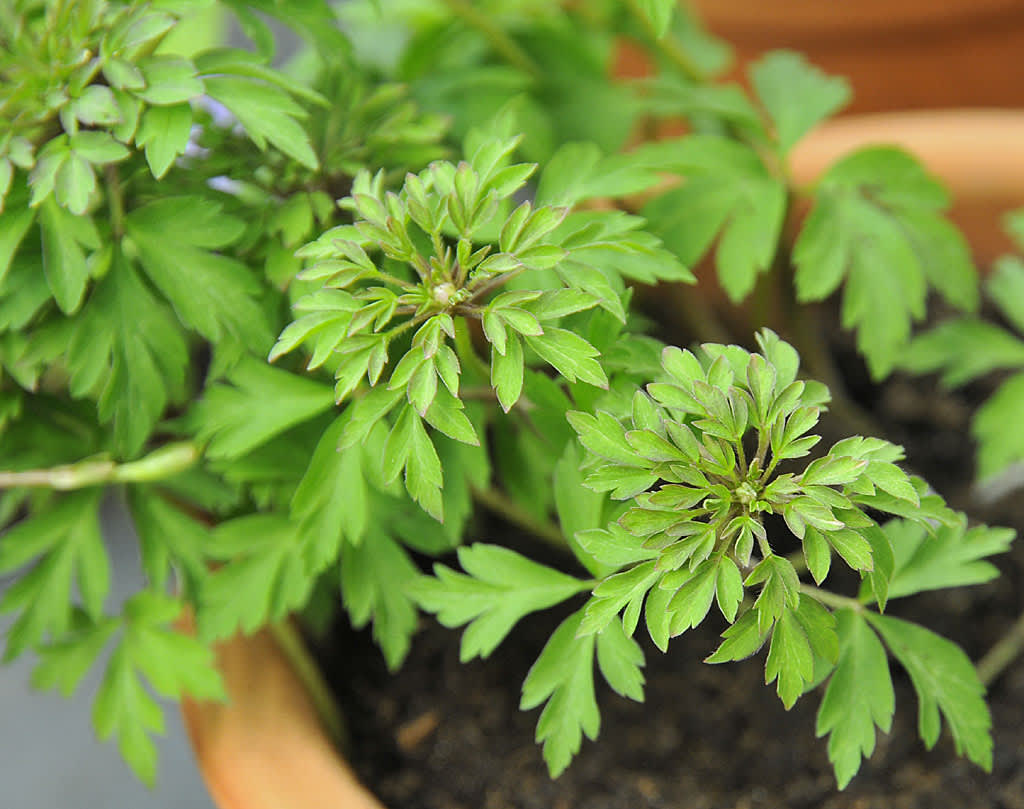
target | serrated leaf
[
  {"x": 797, "y": 95},
  {"x": 64, "y": 262},
  {"x": 264, "y": 578},
  {"x": 267, "y": 113},
  {"x": 741, "y": 640},
  {"x": 570, "y": 355},
  {"x": 375, "y": 575},
  {"x": 65, "y": 543},
  {"x": 951, "y": 557},
  {"x": 498, "y": 588},
  {"x": 859, "y": 697},
  {"x": 164, "y": 132},
  {"x": 331, "y": 502},
  {"x": 563, "y": 676},
  {"x": 945, "y": 680},
  {"x": 212, "y": 293},
  {"x": 507, "y": 372},
  {"x": 876, "y": 208},
  {"x": 620, "y": 660},
  {"x": 128, "y": 352},
  {"x": 169, "y": 539},
  {"x": 789, "y": 659},
  {"x": 174, "y": 664},
  {"x": 259, "y": 403},
  {"x": 728, "y": 588},
  {"x": 603, "y": 435},
  {"x": 728, "y": 190}
]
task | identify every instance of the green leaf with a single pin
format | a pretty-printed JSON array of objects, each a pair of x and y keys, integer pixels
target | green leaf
[
  {"x": 945, "y": 680},
  {"x": 603, "y": 435},
  {"x": 65, "y": 543},
  {"x": 579, "y": 509},
  {"x": 578, "y": 171},
  {"x": 727, "y": 189},
  {"x": 128, "y": 352},
  {"x": 963, "y": 349},
  {"x": 97, "y": 147},
  {"x": 789, "y": 659},
  {"x": 876, "y": 223},
  {"x": 14, "y": 224},
  {"x": 741, "y": 640},
  {"x": 796, "y": 95},
  {"x": 951, "y": 557},
  {"x": 62, "y": 665},
  {"x": 169, "y": 80},
  {"x": 570, "y": 355},
  {"x": 375, "y": 575},
  {"x": 174, "y": 664},
  {"x": 563, "y": 676},
  {"x": 212, "y": 293},
  {"x": 728, "y": 588},
  {"x": 1005, "y": 288},
  {"x": 164, "y": 132},
  {"x": 423, "y": 477},
  {"x": 659, "y": 12},
  {"x": 620, "y": 660},
  {"x": 168, "y": 538},
  {"x": 267, "y": 113},
  {"x": 64, "y": 261},
  {"x": 96, "y": 105},
  {"x": 331, "y": 502},
  {"x": 998, "y": 429},
  {"x": 507, "y": 372},
  {"x": 259, "y": 403},
  {"x": 498, "y": 588},
  {"x": 859, "y": 697},
  {"x": 265, "y": 578},
  {"x": 690, "y": 605}
]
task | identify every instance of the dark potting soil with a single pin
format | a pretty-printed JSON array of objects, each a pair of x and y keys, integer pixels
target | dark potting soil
[{"x": 440, "y": 734}]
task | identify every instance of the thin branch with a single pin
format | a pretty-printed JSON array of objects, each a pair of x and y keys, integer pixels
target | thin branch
[
  {"x": 289, "y": 641},
  {"x": 161, "y": 463},
  {"x": 504, "y": 506},
  {"x": 495, "y": 35},
  {"x": 1000, "y": 656},
  {"x": 831, "y": 599}
]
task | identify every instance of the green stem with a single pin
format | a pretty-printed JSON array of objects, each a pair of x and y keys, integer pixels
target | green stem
[
  {"x": 668, "y": 46},
  {"x": 115, "y": 198},
  {"x": 162, "y": 463},
  {"x": 831, "y": 599},
  {"x": 1006, "y": 650},
  {"x": 467, "y": 352},
  {"x": 495, "y": 35},
  {"x": 505, "y": 507},
  {"x": 807, "y": 339},
  {"x": 292, "y": 646}
]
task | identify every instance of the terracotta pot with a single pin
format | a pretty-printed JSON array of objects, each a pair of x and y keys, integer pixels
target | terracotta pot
[
  {"x": 899, "y": 54},
  {"x": 266, "y": 748}
]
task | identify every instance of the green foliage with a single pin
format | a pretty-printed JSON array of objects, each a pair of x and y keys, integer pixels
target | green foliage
[
  {"x": 883, "y": 192},
  {"x": 970, "y": 348},
  {"x": 433, "y": 208}
]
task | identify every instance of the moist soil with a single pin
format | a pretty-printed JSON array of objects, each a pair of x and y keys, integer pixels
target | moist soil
[{"x": 440, "y": 734}]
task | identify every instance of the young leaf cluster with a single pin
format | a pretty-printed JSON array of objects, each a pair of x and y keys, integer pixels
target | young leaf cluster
[
  {"x": 449, "y": 249},
  {"x": 702, "y": 458}
]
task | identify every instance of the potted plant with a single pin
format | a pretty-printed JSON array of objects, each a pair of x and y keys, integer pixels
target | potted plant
[{"x": 309, "y": 320}]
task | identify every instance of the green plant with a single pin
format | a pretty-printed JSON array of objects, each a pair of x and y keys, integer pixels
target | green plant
[{"x": 460, "y": 329}]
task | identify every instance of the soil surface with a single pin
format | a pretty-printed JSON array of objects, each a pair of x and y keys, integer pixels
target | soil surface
[{"x": 444, "y": 735}]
